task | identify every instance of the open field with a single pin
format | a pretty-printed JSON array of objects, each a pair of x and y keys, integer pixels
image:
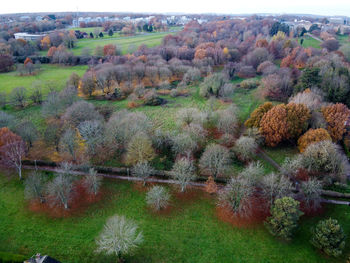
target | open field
[
  {"x": 343, "y": 39},
  {"x": 123, "y": 42},
  {"x": 190, "y": 232},
  {"x": 309, "y": 42},
  {"x": 49, "y": 74}
]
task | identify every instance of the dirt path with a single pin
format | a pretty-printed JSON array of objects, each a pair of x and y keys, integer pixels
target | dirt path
[
  {"x": 170, "y": 181},
  {"x": 314, "y": 37}
]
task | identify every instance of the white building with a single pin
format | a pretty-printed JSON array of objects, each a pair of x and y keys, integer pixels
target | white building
[{"x": 27, "y": 37}]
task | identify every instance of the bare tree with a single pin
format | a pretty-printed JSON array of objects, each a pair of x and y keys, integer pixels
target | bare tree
[
  {"x": 60, "y": 190},
  {"x": 13, "y": 152},
  {"x": 35, "y": 186},
  {"x": 312, "y": 190},
  {"x": 215, "y": 159},
  {"x": 142, "y": 170},
  {"x": 183, "y": 172},
  {"x": 158, "y": 197},
  {"x": 119, "y": 237},
  {"x": 92, "y": 132},
  {"x": 18, "y": 96},
  {"x": 236, "y": 195},
  {"x": 276, "y": 186},
  {"x": 92, "y": 182}
]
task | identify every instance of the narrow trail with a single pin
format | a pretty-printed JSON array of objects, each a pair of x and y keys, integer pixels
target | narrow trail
[
  {"x": 170, "y": 181},
  {"x": 261, "y": 153},
  {"x": 314, "y": 37}
]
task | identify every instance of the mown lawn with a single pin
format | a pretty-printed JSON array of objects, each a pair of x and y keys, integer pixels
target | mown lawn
[
  {"x": 191, "y": 232},
  {"x": 125, "y": 43},
  {"x": 48, "y": 75},
  {"x": 343, "y": 39},
  {"x": 309, "y": 42}
]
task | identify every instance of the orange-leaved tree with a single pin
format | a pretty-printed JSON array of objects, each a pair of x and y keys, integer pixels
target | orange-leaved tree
[
  {"x": 312, "y": 136},
  {"x": 336, "y": 116},
  {"x": 257, "y": 114},
  {"x": 297, "y": 117},
  {"x": 274, "y": 125}
]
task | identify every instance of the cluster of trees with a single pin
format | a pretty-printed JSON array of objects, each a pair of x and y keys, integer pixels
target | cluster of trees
[
  {"x": 61, "y": 190},
  {"x": 306, "y": 112}
]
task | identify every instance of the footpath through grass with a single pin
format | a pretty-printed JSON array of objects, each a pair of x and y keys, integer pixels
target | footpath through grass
[
  {"x": 54, "y": 75},
  {"x": 190, "y": 232}
]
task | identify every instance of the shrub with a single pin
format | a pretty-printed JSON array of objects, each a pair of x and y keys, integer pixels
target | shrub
[
  {"x": 152, "y": 99},
  {"x": 236, "y": 195},
  {"x": 329, "y": 237},
  {"x": 142, "y": 170},
  {"x": 183, "y": 172},
  {"x": 158, "y": 197},
  {"x": 312, "y": 136},
  {"x": 245, "y": 148},
  {"x": 257, "y": 115},
  {"x": 119, "y": 237},
  {"x": 336, "y": 116},
  {"x": 186, "y": 116},
  {"x": 215, "y": 159},
  {"x": 285, "y": 214},
  {"x": 213, "y": 84},
  {"x": 249, "y": 84},
  {"x": 246, "y": 72},
  {"x": 210, "y": 185},
  {"x": 139, "y": 149}
]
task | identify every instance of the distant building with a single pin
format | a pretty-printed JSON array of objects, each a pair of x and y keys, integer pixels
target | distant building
[
  {"x": 38, "y": 18},
  {"x": 24, "y": 18},
  {"x": 337, "y": 20},
  {"x": 28, "y": 37}
]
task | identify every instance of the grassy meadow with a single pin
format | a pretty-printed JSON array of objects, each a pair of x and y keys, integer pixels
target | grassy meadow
[
  {"x": 126, "y": 43},
  {"x": 309, "y": 42},
  {"x": 189, "y": 232},
  {"x": 48, "y": 75}
]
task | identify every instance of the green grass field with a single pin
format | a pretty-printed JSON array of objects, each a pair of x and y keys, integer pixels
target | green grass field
[
  {"x": 343, "y": 39},
  {"x": 123, "y": 42},
  {"x": 310, "y": 42},
  {"x": 191, "y": 232},
  {"x": 53, "y": 74}
]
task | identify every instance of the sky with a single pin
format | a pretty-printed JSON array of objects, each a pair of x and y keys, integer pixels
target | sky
[{"x": 318, "y": 7}]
